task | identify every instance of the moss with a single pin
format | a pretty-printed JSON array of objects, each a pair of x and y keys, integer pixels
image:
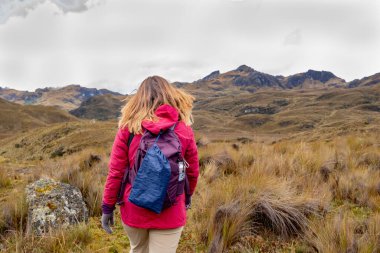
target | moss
[
  {"x": 361, "y": 212},
  {"x": 52, "y": 206},
  {"x": 44, "y": 189}
]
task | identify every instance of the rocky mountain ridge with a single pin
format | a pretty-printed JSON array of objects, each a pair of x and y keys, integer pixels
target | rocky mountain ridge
[
  {"x": 68, "y": 97},
  {"x": 247, "y": 78}
]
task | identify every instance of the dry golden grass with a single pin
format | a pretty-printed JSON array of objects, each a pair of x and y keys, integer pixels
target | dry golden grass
[
  {"x": 56, "y": 140},
  {"x": 283, "y": 191},
  {"x": 288, "y": 196},
  {"x": 74, "y": 239}
]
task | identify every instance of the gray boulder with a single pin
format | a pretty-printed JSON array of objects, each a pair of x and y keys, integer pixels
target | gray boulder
[{"x": 53, "y": 204}]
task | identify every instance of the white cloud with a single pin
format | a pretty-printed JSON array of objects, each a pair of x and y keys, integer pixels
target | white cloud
[
  {"x": 9, "y": 8},
  {"x": 117, "y": 43}
]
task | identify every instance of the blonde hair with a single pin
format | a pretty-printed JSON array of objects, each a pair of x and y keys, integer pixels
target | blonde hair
[{"x": 153, "y": 92}]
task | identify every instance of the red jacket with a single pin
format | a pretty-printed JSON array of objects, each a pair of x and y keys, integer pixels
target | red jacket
[{"x": 135, "y": 216}]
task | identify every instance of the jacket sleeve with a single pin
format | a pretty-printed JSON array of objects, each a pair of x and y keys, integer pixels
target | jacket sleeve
[
  {"x": 191, "y": 157},
  {"x": 116, "y": 168}
]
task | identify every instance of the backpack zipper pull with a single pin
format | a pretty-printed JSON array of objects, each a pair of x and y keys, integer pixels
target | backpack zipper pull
[{"x": 186, "y": 163}]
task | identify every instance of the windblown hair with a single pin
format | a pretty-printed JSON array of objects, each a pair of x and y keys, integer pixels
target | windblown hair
[{"x": 153, "y": 92}]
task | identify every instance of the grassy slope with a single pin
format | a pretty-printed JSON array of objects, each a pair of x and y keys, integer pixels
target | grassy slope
[
  {"x": 58, "y": 139},
  {"x": 295, "y": 112},
  {"x": 15, "y": 117}
]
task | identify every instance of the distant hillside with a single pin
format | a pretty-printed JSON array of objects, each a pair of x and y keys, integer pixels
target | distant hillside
[
  {"x": 15, "y": 117},
  {"x": 288, "y": 113},
  {"x": 102, "y": 107},
  {"x": 262, "y": 116},
  {"x": 67, "y": 97}
]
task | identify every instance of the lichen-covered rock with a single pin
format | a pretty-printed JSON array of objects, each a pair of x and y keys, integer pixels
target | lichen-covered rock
[{"x": 53, "y": 204}]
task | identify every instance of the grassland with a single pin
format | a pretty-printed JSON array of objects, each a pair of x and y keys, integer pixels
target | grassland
[
  {"x": 288, "y": 196},
  {"x": 281, "y": 171},
  {"x": 292, "y": 114}
]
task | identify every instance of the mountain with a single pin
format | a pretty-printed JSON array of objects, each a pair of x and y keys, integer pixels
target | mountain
[
  {"x": 242, "y": 79},
  {"x": 102, "y": 107},
  {"x": 312, "y": 79},
  {"x": 15, "y": 117},
  {"x": 365, "y": 81},
  {"x": 242, "y": 100},
  {"x": 247, "y": 76},
  {"x": 249, "y": 79},
  {"x": 67, "y": 97}
]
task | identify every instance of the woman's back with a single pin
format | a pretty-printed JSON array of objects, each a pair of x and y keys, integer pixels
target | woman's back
[
  {"x": 136, "y": 216},
  {"x": 156, "y": 106}
]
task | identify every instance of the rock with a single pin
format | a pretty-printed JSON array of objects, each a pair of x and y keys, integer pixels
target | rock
[
  {"x": 245, "y": 68},
  {"x": 299, "y": 79},
  {"x": 257, "y": 79},
  {"x": 258, "y": 110},
  {"x": 53, "y": 204},
  {"x": 354, "y": 83},
  {"x": 211, "y": 76}
]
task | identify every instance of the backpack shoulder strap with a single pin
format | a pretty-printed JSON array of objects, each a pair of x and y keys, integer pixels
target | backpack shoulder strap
[
  {"x": 120, "y": 193},
  {"x": 131, "y": 135},
  {"x": 173, "y": 126}
]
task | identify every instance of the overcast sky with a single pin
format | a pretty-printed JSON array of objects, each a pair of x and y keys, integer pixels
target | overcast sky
[{"x": 115, "y": 44}]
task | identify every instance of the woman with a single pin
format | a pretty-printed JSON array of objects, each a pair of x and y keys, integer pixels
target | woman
[{"x": 156, "y": 106}]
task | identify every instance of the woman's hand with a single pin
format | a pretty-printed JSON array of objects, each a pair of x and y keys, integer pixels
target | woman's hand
[
  {"x": 188, "y": 202},
  {"x": 107, "y": 220}
]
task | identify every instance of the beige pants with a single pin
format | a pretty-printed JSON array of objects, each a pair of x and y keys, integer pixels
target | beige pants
[{"x": 153, "y": 240}]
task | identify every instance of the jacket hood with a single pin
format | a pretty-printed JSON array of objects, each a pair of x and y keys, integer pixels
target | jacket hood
[{"x": 167, "y": 116}]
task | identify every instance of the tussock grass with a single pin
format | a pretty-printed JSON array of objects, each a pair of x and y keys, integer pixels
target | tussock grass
[
  {"x": 297, "y": 196},
  {"x": 13, "y": 212},
  {"x": 343, "y": 231},
  {"x": 5, "y": 181},
  {"x": 86, "y": 170},
  {"x": 284, "y": 191},
  {"x": 73, "y": 239}
]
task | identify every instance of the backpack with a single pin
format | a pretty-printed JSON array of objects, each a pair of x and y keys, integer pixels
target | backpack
[{"x": 158, "y": 174}]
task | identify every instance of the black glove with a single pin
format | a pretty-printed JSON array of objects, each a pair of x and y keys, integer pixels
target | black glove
[
  {"x": 187, "y": 201},
  {"x": 107, "y": 220}
]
